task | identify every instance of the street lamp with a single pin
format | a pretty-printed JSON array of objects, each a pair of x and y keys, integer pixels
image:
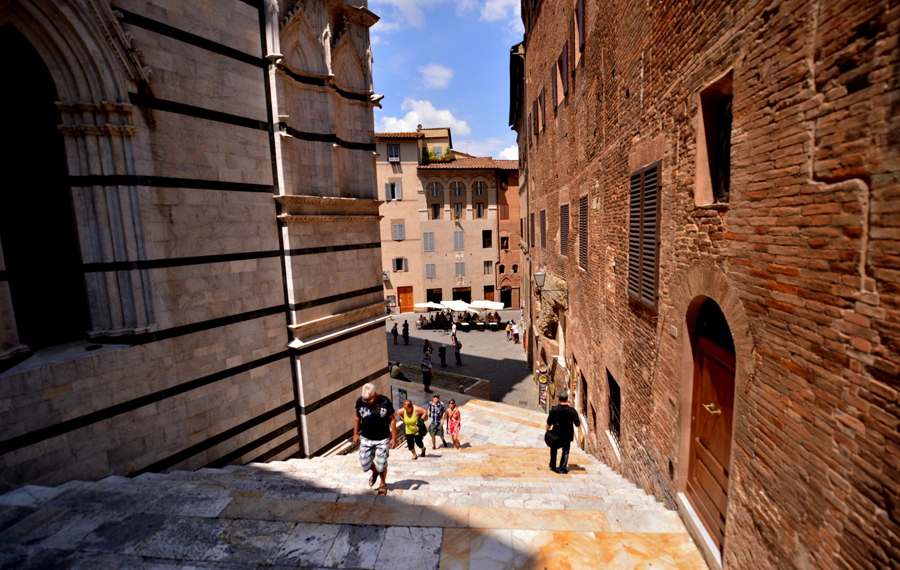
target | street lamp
[{"x": 539, "y": 278}]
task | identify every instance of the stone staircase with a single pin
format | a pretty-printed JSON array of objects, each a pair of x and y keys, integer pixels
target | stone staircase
[{"x": 493, "y": 505}]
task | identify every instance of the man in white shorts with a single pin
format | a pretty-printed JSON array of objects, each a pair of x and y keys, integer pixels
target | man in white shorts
[{"x": 375, "y": 430}]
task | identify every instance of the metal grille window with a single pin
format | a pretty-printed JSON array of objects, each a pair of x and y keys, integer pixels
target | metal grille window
[
  {"x": 460, "y": 268},
  {"x": 564, "y": 229},
  {"x": 544, "y": 228},
  {"x": 428, "y": 241},
  {"x": 643, "y": 230},
  {"x": 430, "y": 271},
  {"x": 615, "y": 409},
  {"x": 393, "y": 153},
  {"x": 488, "y": 267},
  {"x": 583, "y": 231},
  {"x": 459, "y": 241},
  {"x": 479, "y": 188},
  {"x": 457, "y": 188},
  {"x": 398, "y": 232},
  {"x": 435, "y": 188}
]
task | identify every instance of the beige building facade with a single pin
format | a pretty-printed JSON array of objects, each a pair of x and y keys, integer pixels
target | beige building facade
[
  {"x": 207, "y": 256},
  {"x": 439, "y": 229}
]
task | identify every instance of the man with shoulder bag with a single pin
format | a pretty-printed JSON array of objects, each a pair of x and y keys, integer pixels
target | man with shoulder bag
[{"x": 561, "y": 424}]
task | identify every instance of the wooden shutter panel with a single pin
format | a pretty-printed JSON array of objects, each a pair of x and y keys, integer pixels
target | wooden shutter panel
[
  {"x": 405, "y": 264},
  {"x": 583, "y": 231},
  {"x": 564, "y": 72},
  {"x": 531, "y": 231},
  {"x": 572, "y": 42},
  {"x": 530, "y": 129},
  {"x": 564, "y": 230},
  {"x": 634, "y": 237},
  {"x": 543, "y": 110},
  {"x": 581, "y": 25},
  {"x": 387, "y": 191},
  {"x": 544, "y": 228},
  {"x": 649, "y": 219},
  {"x": 553, "y": 83},
  {"x": 402, "y": 231},
  {"x": 399, "y": 189}
]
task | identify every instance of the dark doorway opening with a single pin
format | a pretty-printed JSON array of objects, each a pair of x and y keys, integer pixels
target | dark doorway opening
[
  {"x": 462, "y": 294},
  {"x": 37, "y": 224},
  {"x": 615, "y": 409},
  {"x": 434, "y": 295},
  {"x": 506, "y": 296}
]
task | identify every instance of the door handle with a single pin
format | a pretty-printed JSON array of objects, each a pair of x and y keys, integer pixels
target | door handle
[{"x": 709, "y": 408}]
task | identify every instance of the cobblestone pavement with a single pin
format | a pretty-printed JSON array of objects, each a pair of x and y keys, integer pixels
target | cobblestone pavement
[
  {"x": 485, "y": 354},
  {"x": 494, "y": 505}
]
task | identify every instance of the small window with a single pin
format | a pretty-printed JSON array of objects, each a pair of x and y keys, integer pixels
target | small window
[
  {"x": 435, "y": 188},
  {"x": 521, "y": 227},
  {"x": 531, "y": 231},
  {"x": 554, "y": 81},
  {"x": 564, "y": 229},
  {"x": 583, "y": 231},
  {"x": 459, "y": 241},
  {"x": 398, "y": 232},
  {"x": 615, "y": 409},
  {"x": 437, "y": 151},
  {"x": 401, "y": 264},
  {"x": 543, "y": 110},
  {"x": 457, "y": 188},
  {"x": 457, "y": 211},
  {"x": 393, "y": 153},
  {"x": 460, "y": 269},
  {"x": 504, "y": 243},
  {"x": 435, "y": 211},
  {"x": 479, "y": 188},
  {"x": 514, "y": 270},
  {"x": 544, "y": 228},
  {"x": 487, "y": 239},
  {"x": 479, "y": 210},
  {"x": 393, "y": 191},
  {"x": 713, "y": 180},
  {"x": 428, "y": 241},
  {"x": 501, "y": 269},
  {"x": 488, "y": 267},
  {"x": 503, "y": 211},
  {"x": 430, "y": 271}
]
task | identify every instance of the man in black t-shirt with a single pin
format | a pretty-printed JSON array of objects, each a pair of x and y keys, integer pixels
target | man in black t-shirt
[
  {"x": 561, "y": 420},
  {"x": 375, "y": 430}
]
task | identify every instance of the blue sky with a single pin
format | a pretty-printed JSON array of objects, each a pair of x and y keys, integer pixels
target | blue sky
[{"x": 446, "y": 63}]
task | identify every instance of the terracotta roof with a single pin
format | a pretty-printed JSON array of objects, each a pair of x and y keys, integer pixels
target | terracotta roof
[
  {"x": 412, "y": 135},
  {"x": 479, "y": 163}
]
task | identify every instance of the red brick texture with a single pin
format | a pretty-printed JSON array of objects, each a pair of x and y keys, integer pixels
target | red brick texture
[
  {"x": 509, "y": 228},
  {"x": 804, "y": 259}
]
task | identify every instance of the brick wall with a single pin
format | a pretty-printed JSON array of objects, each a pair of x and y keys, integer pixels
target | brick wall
[{"x": 803, "y": 259}]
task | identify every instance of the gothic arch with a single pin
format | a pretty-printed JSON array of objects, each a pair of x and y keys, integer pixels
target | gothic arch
[
  {"x": 305, "y": 52},
  {"x": 348, "y": 69},
  {"x": 93, "y": 67}
]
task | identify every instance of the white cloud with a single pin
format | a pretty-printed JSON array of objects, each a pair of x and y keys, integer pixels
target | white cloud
[
  {"x": 423, "y": 113},
  {"x": 509, "y": 153},
  {"x": 436, "y": 76},
  {"x": 510, "y": 10},
  {"x": 405, "y": 13},
  {"x": 376, "y": 40},
  {"x": 463, "y": 7}
]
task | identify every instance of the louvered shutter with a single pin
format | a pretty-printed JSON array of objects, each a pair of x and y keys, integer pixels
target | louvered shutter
[
  {"x": 531, "y": 231},
  {"x": 430, "y": 271},
  {"x": 544, "y": 228},
  {"x": 543, "y": 110},
  {"x": 581, "y": 25},
  {"x": 634, "y": 237},
  {"x": 399, "y": 190},
  {"x": 564, "y": 72},
  {"x": 395, "y": 233},
  {"x": 553, "y": 83},
  {"x": 574, "y": 45},
  {"x": 387, "y": 191},
  {"x": 401, "y": 231},
  {"x": 564, "y": 230},
  {"x": 649, "y": 226},
  {"x": 583, "y": 231},
  {"x": 405, "y": 264},
  {"x": 530, "y": 130},
  {"x": 428, "y": 241}
]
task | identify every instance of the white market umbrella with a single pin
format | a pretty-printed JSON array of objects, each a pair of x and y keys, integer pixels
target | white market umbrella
[
  {"x": 428, "y": 305},
  {"x": 455, "y": 305},
  {"x": 489, "y": 305},
  {"x": 471, "y": 310}
]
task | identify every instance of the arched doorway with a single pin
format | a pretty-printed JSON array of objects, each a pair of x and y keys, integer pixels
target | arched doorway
[
  {"x": 37, "y": 225},
  {"x": 712, "y": 413}
]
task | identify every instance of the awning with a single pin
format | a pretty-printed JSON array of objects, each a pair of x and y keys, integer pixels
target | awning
[
  {"x": 455, "y": 305},
  {"x": 428, "y": 305},
  {"x": 489, "y": 305}
]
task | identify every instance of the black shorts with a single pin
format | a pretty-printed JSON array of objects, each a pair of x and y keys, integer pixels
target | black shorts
[{"x": 413, "y": 440}]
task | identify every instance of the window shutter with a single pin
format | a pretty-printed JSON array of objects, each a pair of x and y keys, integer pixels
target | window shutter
[
  {"x": 387, "y": 191},
  {"x": 428, "y": 241},
  {"x": 462, "y": 241},
  {"x": 583, "y": 231},
  {"x": 405, "y": 264},
  {"x": 430, "y": 271},
  {"x": 564, "y": 229},
  {"x": 564, "y": 72},
  {"x": 553, "y": 83},
  {"x": 544, "y": 228},
  {"x": 531, "y": 231},
  {"x": 634, "y": 237},
  {"x": 402, "y": 231},
  {"x": 543, "y": 110},
  {"x": 649, "y": 218},
  {"x": 530, "y": 130},
  {"x": 399, "y": 190},
  {"x": 395, "y": 234},
  {"x": 462, "y": 268},
  {"x": 572, "y": 41},
  {"x": 581, "y": 25}
]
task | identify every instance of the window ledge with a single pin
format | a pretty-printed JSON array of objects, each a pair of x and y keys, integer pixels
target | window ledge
[
  {"x": 722, "y": 207},
  {"x": 615, "y": 447}
]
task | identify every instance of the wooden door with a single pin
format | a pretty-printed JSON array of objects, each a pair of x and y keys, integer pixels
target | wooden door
[
  {"x": 406, "y": 299},
  {"x": 711, "y": 418},
  {"x": 489, "y": 295}
]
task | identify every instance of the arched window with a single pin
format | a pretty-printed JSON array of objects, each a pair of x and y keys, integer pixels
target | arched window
[
  {"x": 479, "y": 188},
  {"x": 457, "y": 188},
  {"x": 435, "y": 188},
  {"x": 501, "y": 269},
  {"x": 514, "y": 270},
  {"x": 457, "y": 209}
]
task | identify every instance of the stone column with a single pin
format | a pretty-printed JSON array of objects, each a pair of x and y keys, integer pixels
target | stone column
[{"x": 100, "y": 157}]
